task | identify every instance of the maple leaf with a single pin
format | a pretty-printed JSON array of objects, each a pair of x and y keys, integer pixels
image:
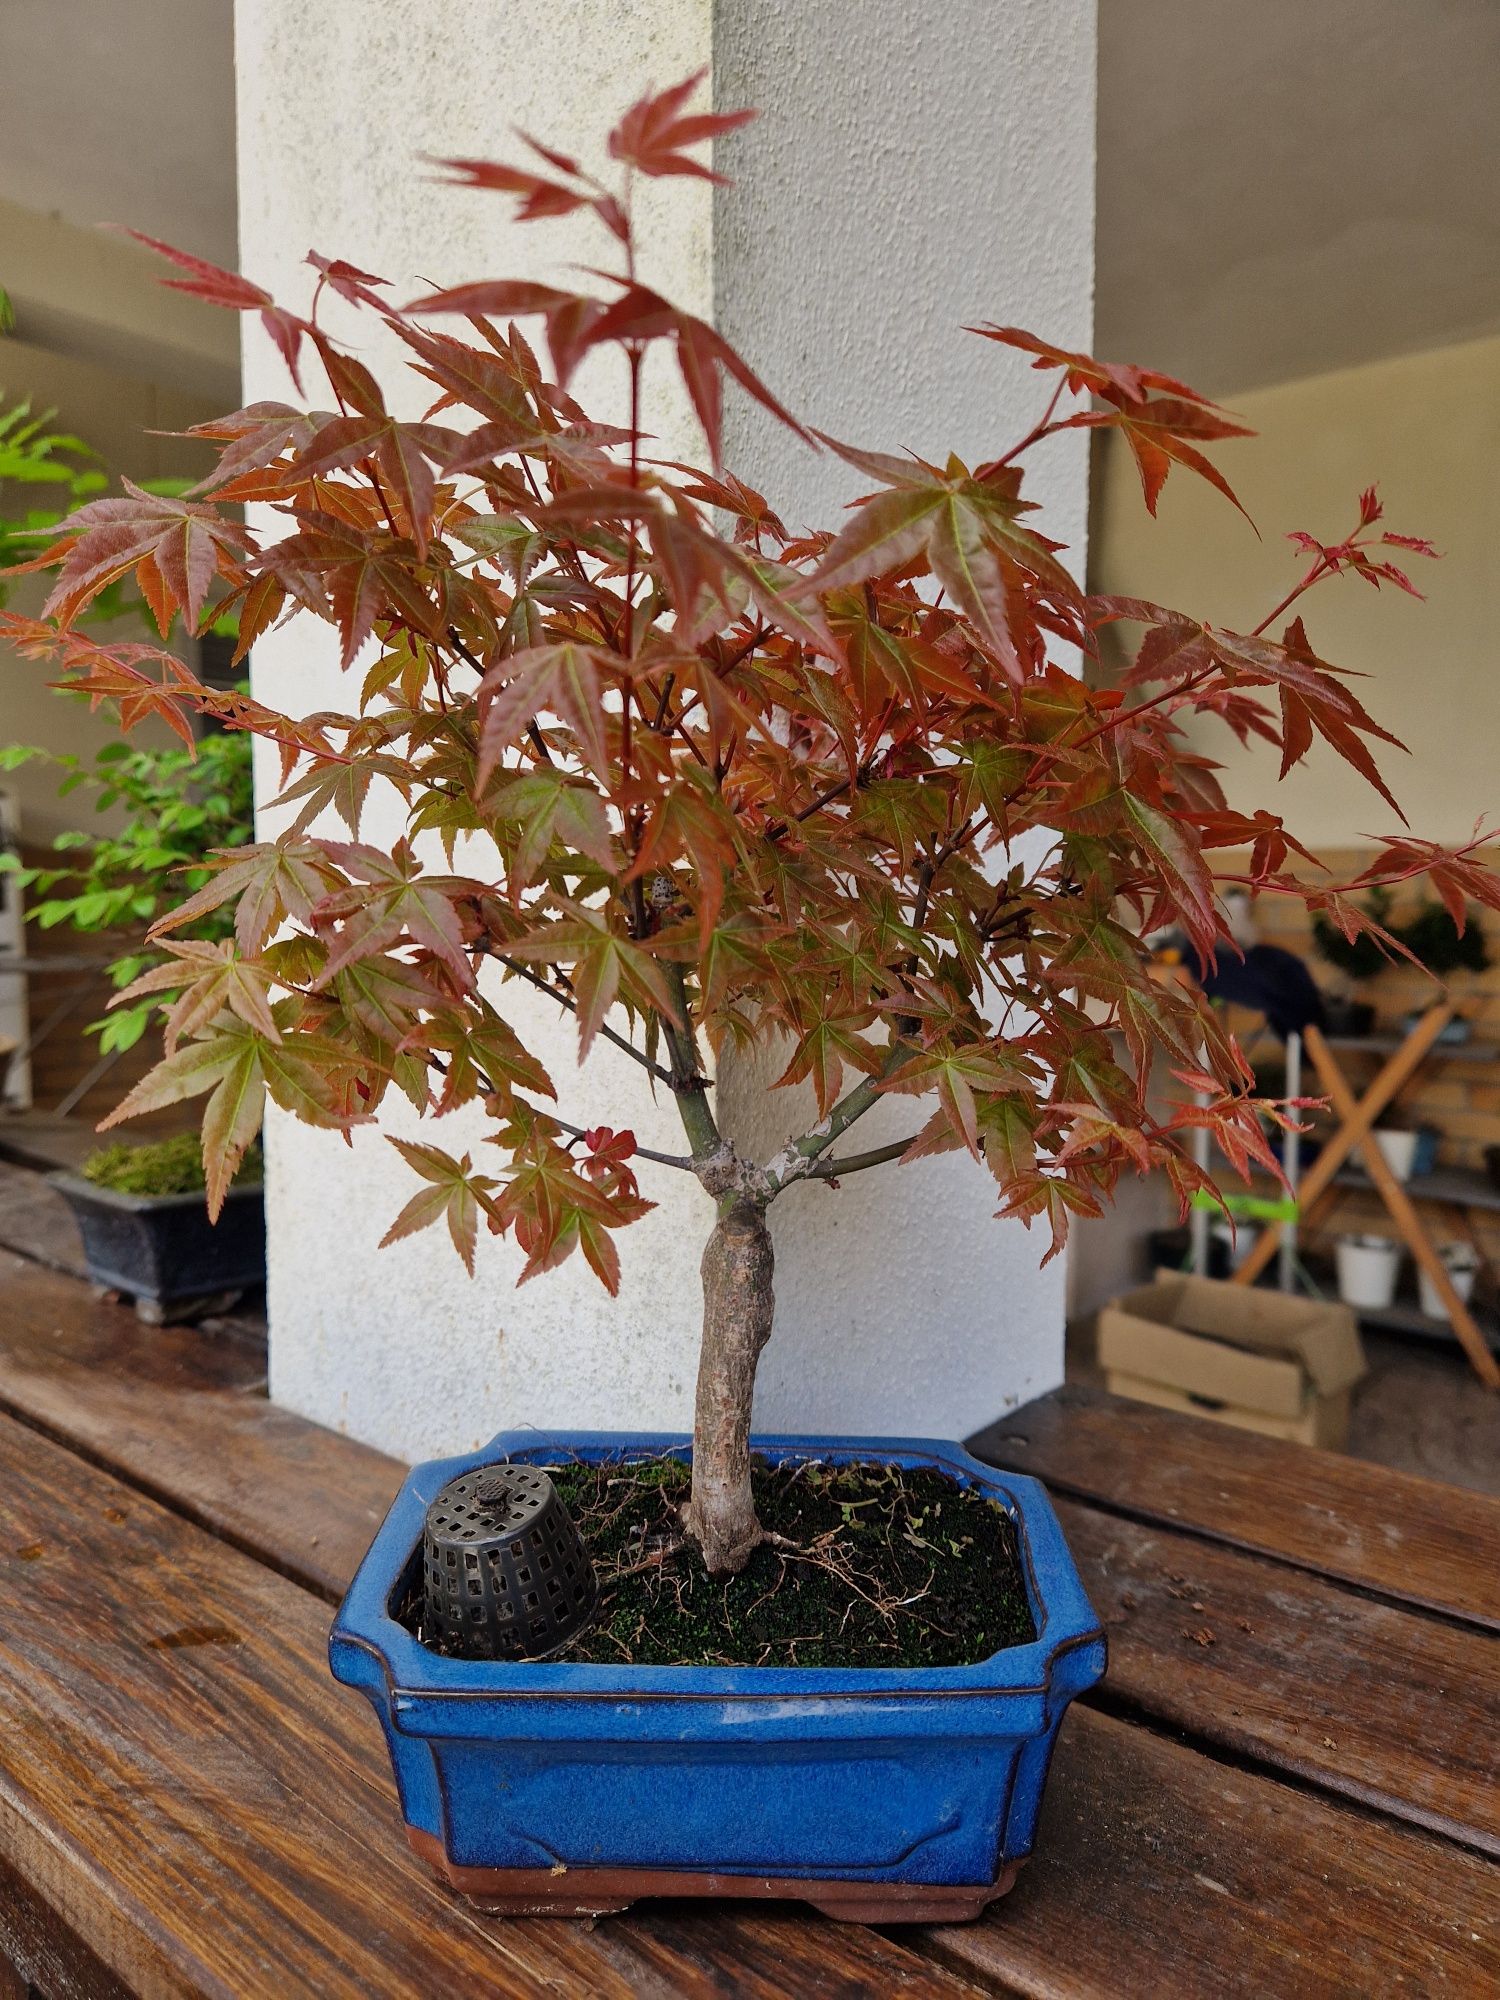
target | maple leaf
[
  {"x": 654, "y": 133},
  {"x": 174, "y": 547},
  {"x": 602, "y": 966},
  {"x": 562, "y": 677},
  {"x": 208, "y": 978},
  {"x": 571, "y": 317},
  {"x": 236, "y": 1063},
  {"x": 391, "y": 898},
  {"x": 1177, "y": 853},
  {"x": 550, "y": 809},
  {"x": 454, "y": 1194},
  {"x": 539, "y": 197},
  {"x": 957, "y": 1075},
  {"x": 1157, "y": 415},
  {"x": 218, "y": 287},
  {"x": 401, "y": 451},
  {"x": 704, "y": 357},
  {"x": 821, "y": 1053},
  {"x": 266, "y": 883},
  {"x": 351, "y": 577}
]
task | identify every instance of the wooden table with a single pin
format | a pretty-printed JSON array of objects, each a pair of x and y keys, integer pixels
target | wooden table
[{"x": 1287, "y": 1784}]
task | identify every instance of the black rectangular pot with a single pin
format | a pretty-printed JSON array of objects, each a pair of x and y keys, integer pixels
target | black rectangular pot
[{"x": 162, "y": 1250}]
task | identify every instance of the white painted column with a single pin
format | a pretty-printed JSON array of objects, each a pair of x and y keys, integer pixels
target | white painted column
[{"x": 913, "y": 169}]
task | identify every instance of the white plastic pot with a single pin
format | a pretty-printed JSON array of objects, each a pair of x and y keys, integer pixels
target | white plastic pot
[
  {"x": 1400, "y": 1150},
  {"x": 1367, "y": 1267},
  {"x": 1462, "y": 1261}
]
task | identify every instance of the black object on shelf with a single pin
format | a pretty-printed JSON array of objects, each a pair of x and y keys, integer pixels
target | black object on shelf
[{"x": 1345, "y": 1018}]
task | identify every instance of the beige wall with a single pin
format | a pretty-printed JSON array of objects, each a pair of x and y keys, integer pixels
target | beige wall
[{"x": 1427, "y": 427}]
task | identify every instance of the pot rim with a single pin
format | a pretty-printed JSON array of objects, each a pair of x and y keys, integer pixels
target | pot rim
[
  {"x": 73, "y": 1186},
  {"x": 366, "y": 1633}
]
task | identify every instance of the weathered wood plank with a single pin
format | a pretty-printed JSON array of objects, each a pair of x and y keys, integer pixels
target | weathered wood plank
[
  {"x": 1159, "y": 1871},
  {"x": 184, "y": 1785},
  {"x": 185, "y": 1417},
  {"x": 40, "y": 1955},
  {"x": 1405, "y": 1538},
  {"x": 1388, "y": 1706}
]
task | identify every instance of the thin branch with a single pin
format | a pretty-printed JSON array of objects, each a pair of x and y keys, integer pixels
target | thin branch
[
  {"x": 678, "y": 1160},
  {"x": 828, "y": 1169},
  {"x": 689, "y": 1085},
  {"x": 535, "y": 979},
  {"x": 796, "y": 1161}
]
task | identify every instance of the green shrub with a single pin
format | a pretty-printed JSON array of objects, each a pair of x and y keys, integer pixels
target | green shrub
[{"x": 170, "y": 1166}]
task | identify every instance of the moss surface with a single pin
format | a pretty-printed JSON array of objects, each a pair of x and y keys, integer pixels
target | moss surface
[
  {"x": 874, "y": 1566},
  {"x": 170, "y": 1166}
]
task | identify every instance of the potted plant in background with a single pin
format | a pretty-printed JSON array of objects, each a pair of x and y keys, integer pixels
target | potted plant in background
[
  {"x": 1357, "y": 958},
  {"x": 709, "y": 784},
  {"x": 140, "y": 1212},
  {"x": 146, "y": 1231},
  {"x": 173, "y": 802},
  {"x": 1442, "y": 938},
  {"x": 1443, "y": 943}
]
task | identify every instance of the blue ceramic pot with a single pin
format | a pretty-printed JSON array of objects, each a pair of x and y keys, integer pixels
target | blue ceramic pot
[{"x": 875, "y": 1794}]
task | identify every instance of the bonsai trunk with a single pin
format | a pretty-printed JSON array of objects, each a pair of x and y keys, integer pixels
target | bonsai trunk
[{"x": 738, "y": 1306}]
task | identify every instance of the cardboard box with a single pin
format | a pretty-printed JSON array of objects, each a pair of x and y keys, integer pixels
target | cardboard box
[{"x": 1264, "y": 1360}]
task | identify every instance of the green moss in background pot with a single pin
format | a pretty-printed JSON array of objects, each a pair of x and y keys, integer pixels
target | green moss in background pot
[{"x": 170, "y": 1166}]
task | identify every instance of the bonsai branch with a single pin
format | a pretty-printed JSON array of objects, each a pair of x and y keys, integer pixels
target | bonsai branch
[
  {"x": 798, "y": 1159},
  {"x": 679, "y": 1160},
  {"x": 621, "y": 1042},
  {"x": 828, "y": 1169}
]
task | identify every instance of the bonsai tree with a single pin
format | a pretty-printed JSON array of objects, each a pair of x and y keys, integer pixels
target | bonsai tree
[
  {"x": 707, "y": 781},
  {"x": 1437, "y": 939}
]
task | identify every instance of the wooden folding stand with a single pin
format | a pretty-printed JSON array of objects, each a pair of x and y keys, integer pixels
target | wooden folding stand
[{"x": 1355, "y": 1132}]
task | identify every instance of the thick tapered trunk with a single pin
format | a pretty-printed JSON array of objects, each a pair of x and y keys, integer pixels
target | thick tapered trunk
[{"x": 738, "y": 1306}]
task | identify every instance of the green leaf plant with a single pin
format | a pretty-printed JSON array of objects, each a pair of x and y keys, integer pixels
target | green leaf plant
[
  {"x": 181, "y": 806},
  {"x": 718, "y": 784}
]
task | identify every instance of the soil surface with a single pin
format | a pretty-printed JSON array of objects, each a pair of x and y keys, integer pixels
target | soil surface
[{"x": 867, "y": 1565}]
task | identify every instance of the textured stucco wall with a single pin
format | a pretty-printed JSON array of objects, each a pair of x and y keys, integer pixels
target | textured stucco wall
[
  {"x": 945, "y": 174},
  {"x": 915, "y": 169}
]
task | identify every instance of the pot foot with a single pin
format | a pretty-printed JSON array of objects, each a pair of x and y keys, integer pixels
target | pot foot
[{"x": 597, "y": 1892}]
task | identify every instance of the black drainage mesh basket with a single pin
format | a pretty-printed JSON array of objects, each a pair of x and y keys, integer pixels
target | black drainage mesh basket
[{"x": 506, "y": 1576}]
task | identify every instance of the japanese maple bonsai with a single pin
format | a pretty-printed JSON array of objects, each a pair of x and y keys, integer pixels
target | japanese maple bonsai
[{"x": 719, "y": 784}]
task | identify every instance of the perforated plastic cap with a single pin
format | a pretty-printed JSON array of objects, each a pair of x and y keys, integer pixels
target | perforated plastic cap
[{"x": 506, "y": 1576}]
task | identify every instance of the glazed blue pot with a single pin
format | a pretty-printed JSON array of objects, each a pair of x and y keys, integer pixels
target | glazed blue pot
[{"x": 875, "y": 1794}]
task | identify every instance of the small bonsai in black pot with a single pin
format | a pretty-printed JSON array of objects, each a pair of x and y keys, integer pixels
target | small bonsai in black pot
[
  {"x": 146, "y": 1232},
  {"x": 1431, "y": 939},
  {"x": 1357, "y": 958}
]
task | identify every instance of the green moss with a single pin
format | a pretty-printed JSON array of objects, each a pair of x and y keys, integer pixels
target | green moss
[
  {"x": 876, "y": 1567},
  {"x": 169, "y": 1166}
]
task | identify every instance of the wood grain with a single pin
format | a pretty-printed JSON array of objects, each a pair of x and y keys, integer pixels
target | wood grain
[
  {"x": 1387, "y": 1706},
  {"x": 40, "y": 1956},
  {"x": 1405, "y": 1538},
  {"x": 184, "y": 1416},
  {"x": 182, "y": 1783},
  {"x": 1160, "y": 1872}
]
